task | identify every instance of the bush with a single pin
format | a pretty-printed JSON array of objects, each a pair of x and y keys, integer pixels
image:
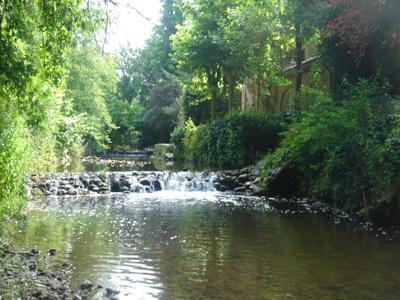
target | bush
[
  {"x": 346, "y": 150},
  {"x": 177, "y": 139},
  {"x": 234, "y": 141},
  {"x": 13, "y": 163}
]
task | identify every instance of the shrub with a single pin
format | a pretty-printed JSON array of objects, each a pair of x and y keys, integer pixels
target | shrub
[
  {"x": 177, "y": 139},
  {"x": 341, "y": 148},
  {"x": 236, "y": 140},
  {"x": 13, "y": 163}
]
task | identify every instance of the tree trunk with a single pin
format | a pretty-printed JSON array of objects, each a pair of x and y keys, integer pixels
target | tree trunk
[
  {"x": 213, "y": 105},
  {"x": 231, "y": 91},
  {"x": 299, "y": 72},
  {"x": 213, "y": 77}
]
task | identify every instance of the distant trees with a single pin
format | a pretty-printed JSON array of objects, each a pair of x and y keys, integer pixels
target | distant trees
[
  {"x": 91, "y": 83},
  {"x": 148, "y": 83}
]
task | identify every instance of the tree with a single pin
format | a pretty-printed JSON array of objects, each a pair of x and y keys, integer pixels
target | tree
[
  {"x": 197, "y": 44},
  {"x": 355, "y": 24},
  {"x": 91, "y": 82},
  {"x": 301, "y": 19},
  {"x": 127, "y": 118},
  {"x": 364, "y": 35},
  {"x": 161, "y": 115},
  {"x": 144, "y": 69},
  {"x": 34, "y": 39}
]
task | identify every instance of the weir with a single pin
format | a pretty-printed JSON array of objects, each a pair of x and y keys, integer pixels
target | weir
[{"x": 60, "y": 184}]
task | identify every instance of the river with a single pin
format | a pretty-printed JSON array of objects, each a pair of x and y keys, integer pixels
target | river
[{"x": 174, "y": 244}]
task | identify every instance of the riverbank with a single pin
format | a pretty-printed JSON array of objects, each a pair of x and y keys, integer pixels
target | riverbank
[{"x": 22, "y": 279}]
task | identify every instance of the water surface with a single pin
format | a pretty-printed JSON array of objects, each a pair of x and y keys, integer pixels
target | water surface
[
  {"x": 121, "y": 162},
  {"x": 192, "y": 245}
]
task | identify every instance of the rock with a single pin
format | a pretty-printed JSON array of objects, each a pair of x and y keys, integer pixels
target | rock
[
  {"x": 157, "y": 185},
  {"x": 282, "y": 181},
  {"x": 220, "y": 187},
  {"x": 94, "y": 188},
  {"x": 243, "y": 178},
  {"x": 41, "y": 293},
  {"x": 257, "y": 180},
  {"x": 52, "y": 251},
  {"x": 255, "y": 189},
  {"x": 240, "y": 189},
  {"x": 61, "y": 192},
  {"x": 111, "y": 291},
  {"x": 73, "y": 192},
  {"x": 52, "y": 297},
  {"x": 236, "y": 184},
  {"x": 145, "y": 182},
  {"x": 248, "y": 184},
  {"x": 228, "y": 181},
  {"x": 125, "y": 182},
  {"x": 115, "y": 185},
  {"x": 86, "y": 285}
]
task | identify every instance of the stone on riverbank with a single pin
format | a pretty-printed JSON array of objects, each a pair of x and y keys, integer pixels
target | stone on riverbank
[{"x": 20, "y": 279}]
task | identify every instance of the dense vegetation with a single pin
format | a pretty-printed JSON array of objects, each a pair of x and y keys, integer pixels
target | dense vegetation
[
  {"x": 62, "y": 95},
  {"x": 42, "y": 117},
  {"x": 235, "y": 140},
  {"x": 345, "y": 151}
]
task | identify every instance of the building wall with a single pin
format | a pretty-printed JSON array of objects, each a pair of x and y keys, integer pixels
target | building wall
[
  {"x": 253, "y": 96},
  {"x": 279, "y": 93}
]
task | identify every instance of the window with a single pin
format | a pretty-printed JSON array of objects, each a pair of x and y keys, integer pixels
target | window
[{"x": 288, "y": 102}]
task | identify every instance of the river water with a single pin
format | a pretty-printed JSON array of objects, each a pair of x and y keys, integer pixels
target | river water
[{"x": 209, "y": 245}]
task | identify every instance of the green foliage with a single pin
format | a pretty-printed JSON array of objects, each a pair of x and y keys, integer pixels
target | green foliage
[
  {"x": 195, "y": 106},
  {"x": 161, "y": 115},
  {"x": 91, "y": 83},
  {"x": 35, "y": 130},
  {"x": 127, "y": 118},
  {"x": 236, "y": 140},
  {"x": 13, "y": 163},
  {"x": 341, "y": 147},
  {"x": 177, "y": 137}
]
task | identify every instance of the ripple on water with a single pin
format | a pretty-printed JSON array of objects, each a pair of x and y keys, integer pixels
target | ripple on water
[{"x": 181, "y": 245}]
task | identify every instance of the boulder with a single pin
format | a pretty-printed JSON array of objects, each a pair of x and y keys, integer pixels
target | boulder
[
  {"x": 243, "y": 178},
  {"x": 228, "y": 181},
  {"x": 86, "y": 285},
  {"x": 282, "y": 181}
]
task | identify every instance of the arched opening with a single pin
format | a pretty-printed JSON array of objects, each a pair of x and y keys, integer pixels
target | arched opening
[{"x": 288, "y": 102}]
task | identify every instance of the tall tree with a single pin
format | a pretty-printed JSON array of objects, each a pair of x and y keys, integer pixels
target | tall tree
[
  {"x": 364, "y": 35},
  {"x": 301, "y": 19},
  {"x": 35, "y": 36},
  {"x": 198, "y": 44},
  {"x": 144, "y": 69}
]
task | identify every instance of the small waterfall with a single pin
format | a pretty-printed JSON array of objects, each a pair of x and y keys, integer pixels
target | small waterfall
[
  {"x": 60, "y": 184},
  {"x": 190, "y": 182}
]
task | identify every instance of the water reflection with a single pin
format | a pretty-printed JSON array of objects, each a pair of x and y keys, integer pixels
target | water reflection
[
  {"x": 177, "y": 245},
  {"x": 120, "y": 163}
]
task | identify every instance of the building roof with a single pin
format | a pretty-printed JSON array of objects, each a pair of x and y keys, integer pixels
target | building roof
[{"x": 303, "y": 63}]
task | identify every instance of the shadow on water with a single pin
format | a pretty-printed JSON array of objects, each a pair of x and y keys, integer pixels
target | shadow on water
[{"x": 208, "y": 245}]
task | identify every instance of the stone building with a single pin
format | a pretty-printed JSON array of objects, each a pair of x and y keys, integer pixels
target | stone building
[{"x": 282, "y": 98}]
